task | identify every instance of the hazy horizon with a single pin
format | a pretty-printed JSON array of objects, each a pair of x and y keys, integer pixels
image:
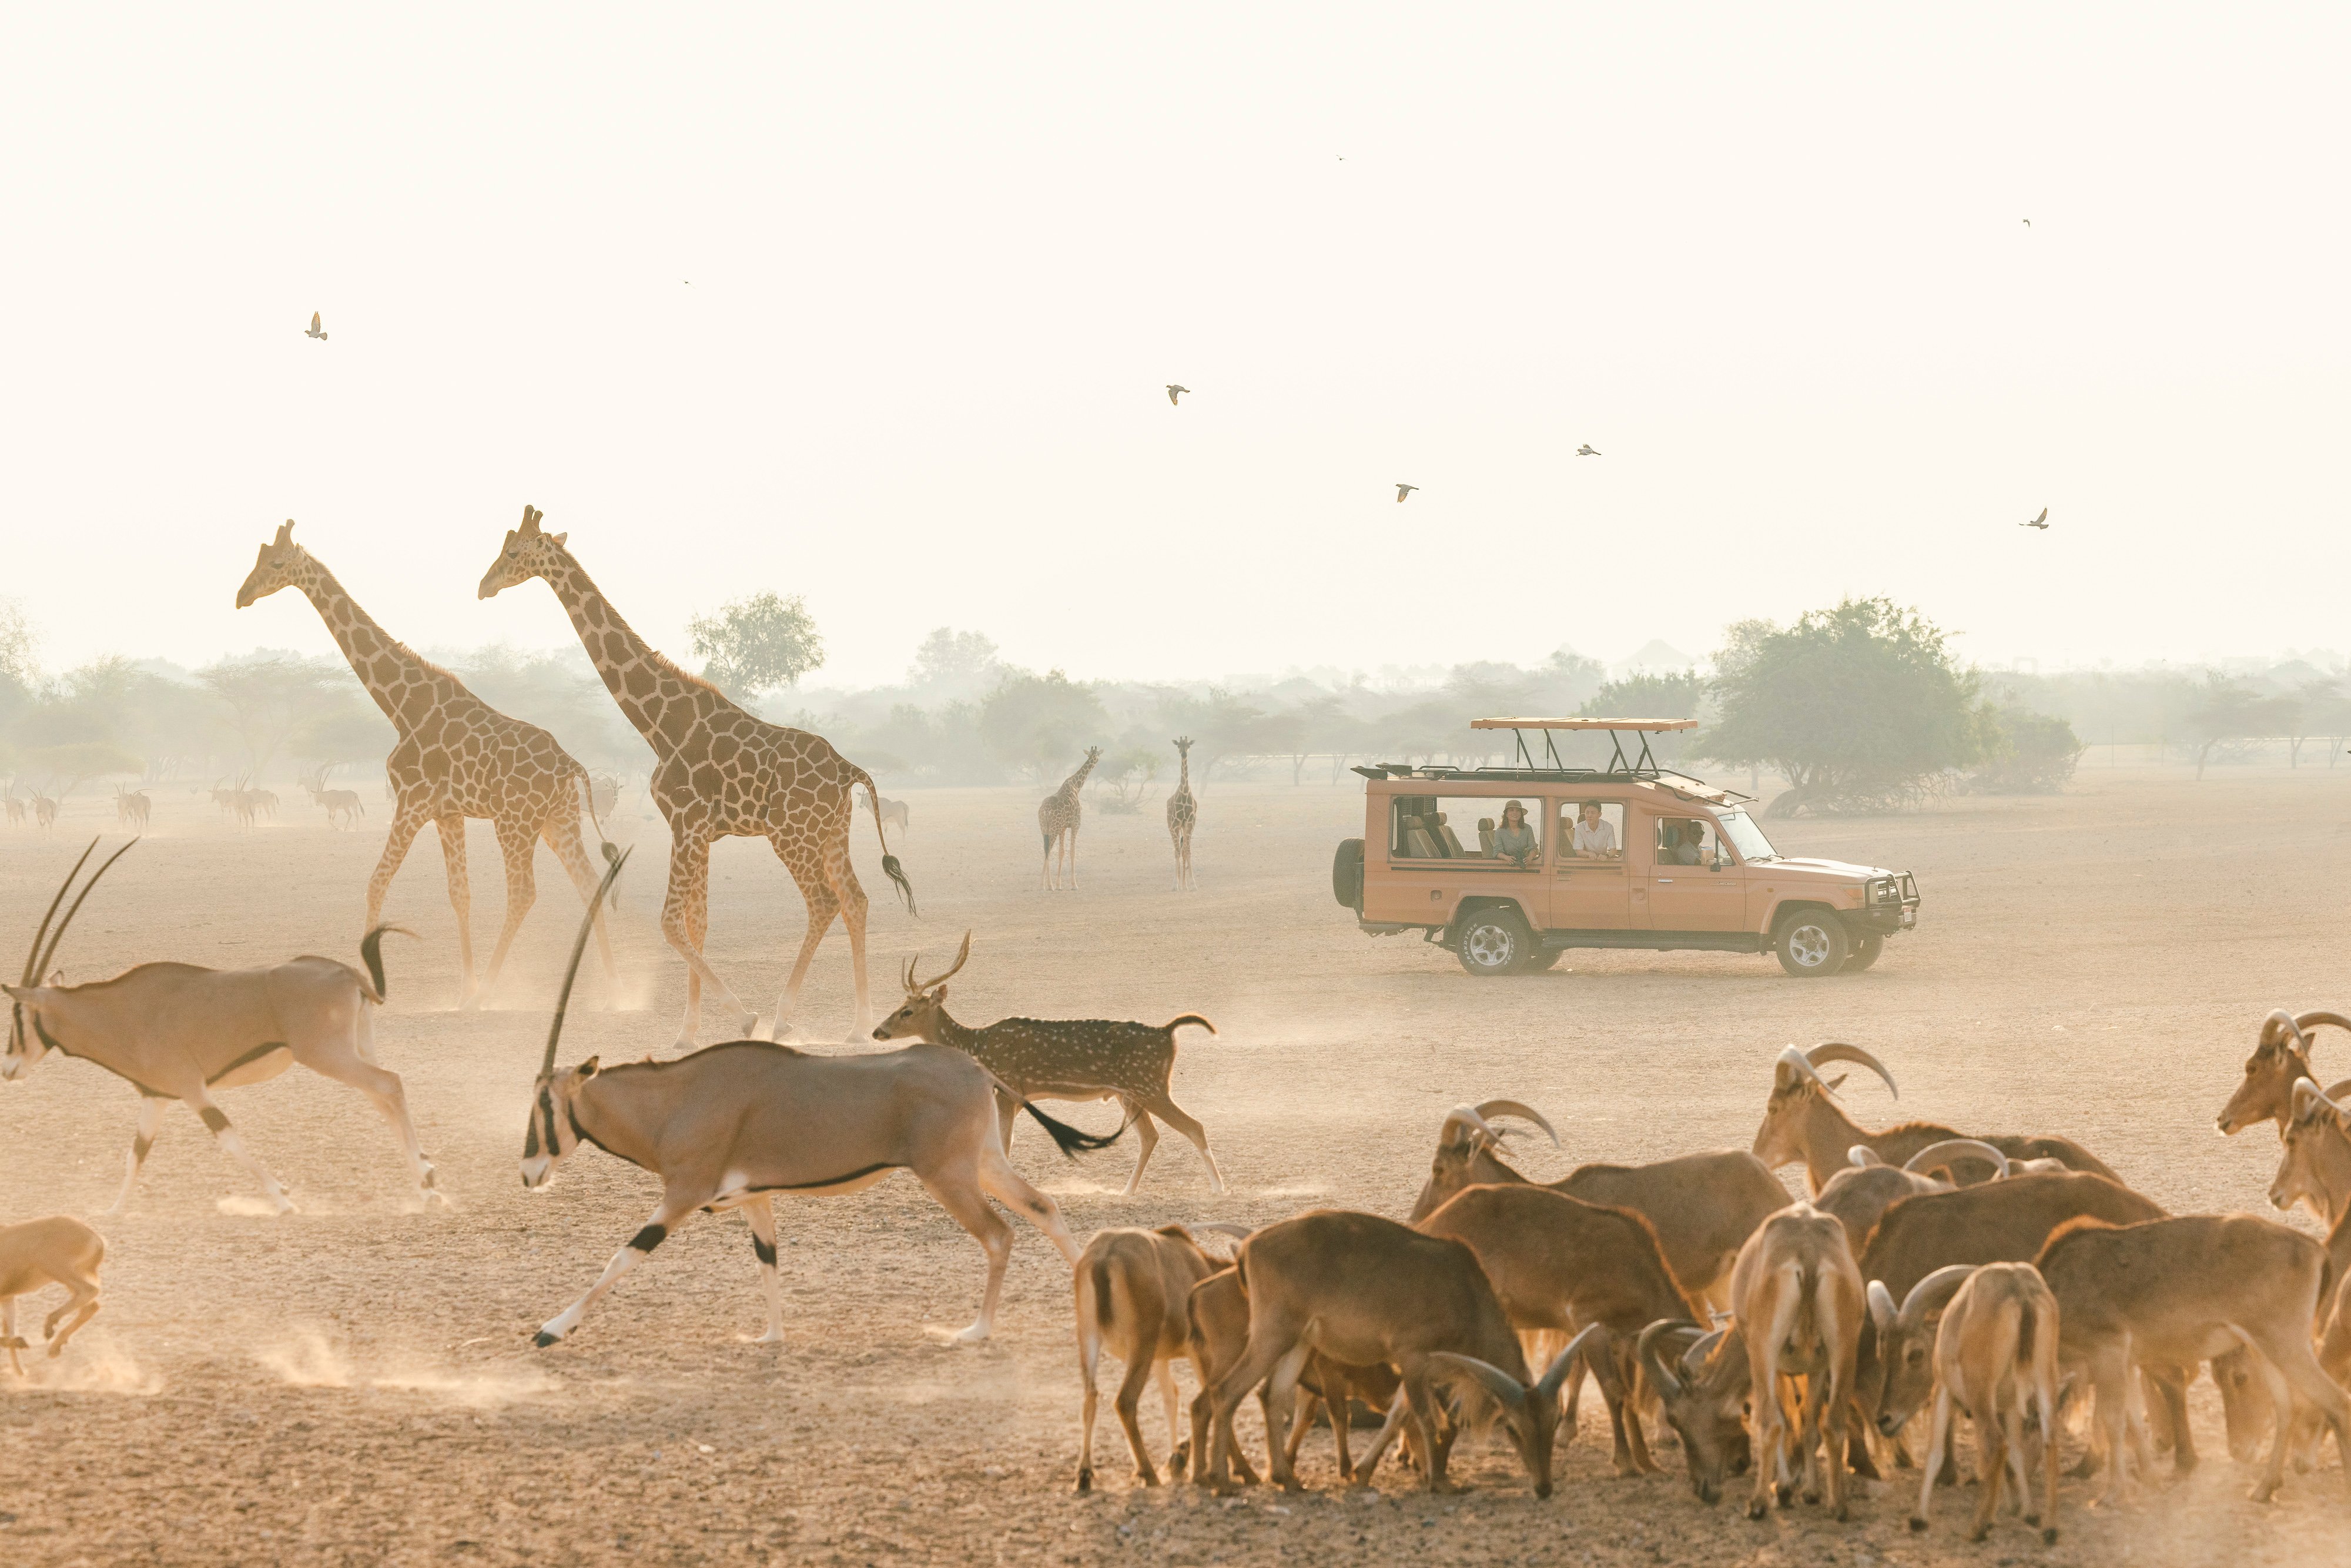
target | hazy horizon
[{"x": 1773, "y": 267}]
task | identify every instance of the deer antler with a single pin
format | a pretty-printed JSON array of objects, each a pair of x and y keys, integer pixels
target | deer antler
[{"x": 915, "y": 987}]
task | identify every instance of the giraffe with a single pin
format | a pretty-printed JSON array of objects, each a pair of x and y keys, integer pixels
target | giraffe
[
  {"x": 1183, "y": 812},
  {"x": 718, "y": 772},
  {"x": 456, "y": 757},
  {"x": 1057, "y": 818}
]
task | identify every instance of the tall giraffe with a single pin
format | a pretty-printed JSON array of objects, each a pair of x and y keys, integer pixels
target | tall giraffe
[
  {"x": 456, "y": 757},
  {"x": 718, "y": 772},
  {"x": 1057, "y": 818},
  {"x": 1183, "y": 812}
]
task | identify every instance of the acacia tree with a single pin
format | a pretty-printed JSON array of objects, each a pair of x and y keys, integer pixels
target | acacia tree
[
  {"x": 759, "y": 644},
  {"x": 2228, "y": 711},
  {"x": 1861, "y": 707}
]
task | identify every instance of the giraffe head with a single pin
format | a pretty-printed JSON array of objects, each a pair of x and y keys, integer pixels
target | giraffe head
[
  {"x": 280, "y": 563},
  {"x": 528, "y": 553},
  {"x": 1184, "y": 746}
]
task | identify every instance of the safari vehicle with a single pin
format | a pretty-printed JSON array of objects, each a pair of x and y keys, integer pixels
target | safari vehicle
[{"x": 1625, "y": 855}]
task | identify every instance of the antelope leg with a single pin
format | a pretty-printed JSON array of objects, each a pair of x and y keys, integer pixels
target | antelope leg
[{"x": 640, "y": 1248}]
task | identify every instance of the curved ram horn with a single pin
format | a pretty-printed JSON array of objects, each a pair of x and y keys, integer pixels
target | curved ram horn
[
  {"x": 1219, "y": 1227},
  {"x": 2307, "y": 1094},
  {"x": 1546, "y": 1387},
  {"x": 578, "y": 947},
  {"x": 1882, "y": 1310},
  {"x": 1934, "y": 1292},
  {"x": 1464, "y": 1116},
  {"x": 49, "y": 954},
  {"x": 1523, "y": 1112},
  {"x": 1933, "y": 1155},
  {"x": 32, "y": 958},
  {"x": 1666, "y": 1382},
  {"x": 962, "y": 957},
  {"x": 2311, "y": 1020},
  {"x": 1701, "y": 1348},
  {"x": 1862, "y": 1156},
  {"x": 2276, "y": 1027},
  {"x": 1505, "y": 1388},
  {"x": 1834, "y": 1050}
]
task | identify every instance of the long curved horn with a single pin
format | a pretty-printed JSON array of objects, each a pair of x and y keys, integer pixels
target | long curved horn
[
  {"x": 32, "y": 958},
  {"x": 1505, "y": 1388},
  {"x": 1861, "y": 1157},
  {"x": 1834, "y": 1050},
  {"x": 962, "y": 957},
  {"x": 75, "y": 908},
  {"x": 1933, "y": 1155},
  {"x": 1464, "y": 1116},
  {"x": 1666, "y": 1381},
  {"x": 1548, "y": 1385},
  {"x": 1791, "y": 1066},
  {"x": 578, "y": 947},
  {"x": 1882, "y": 1310},
  {"x": 2310, "y": 1021},
  {"x": 1522, "y": 1111},
  {"x": 1701, "y": 1349},
  {"x": 2335, "y": 1093},
  {"x": 1934, "y": 1292},
  {"x": 2278, "y": 1026}
]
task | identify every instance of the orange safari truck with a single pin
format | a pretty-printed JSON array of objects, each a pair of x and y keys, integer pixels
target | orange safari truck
[{"x": 1509, "y": 867}]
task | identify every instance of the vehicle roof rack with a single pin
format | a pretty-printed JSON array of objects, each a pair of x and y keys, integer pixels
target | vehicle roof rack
[{"x": 1643, "y": 765}]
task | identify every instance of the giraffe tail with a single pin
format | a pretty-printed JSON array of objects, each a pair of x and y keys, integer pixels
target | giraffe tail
[{"x": 890, "y": 866}]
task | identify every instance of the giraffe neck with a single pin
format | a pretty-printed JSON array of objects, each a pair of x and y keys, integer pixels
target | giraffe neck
[
  {"x": 390, "y": 670},
  {"x": 1183, "y": 772},
  {"x": 644, "y": 682},
  {"x": 1077, "y": 781}
]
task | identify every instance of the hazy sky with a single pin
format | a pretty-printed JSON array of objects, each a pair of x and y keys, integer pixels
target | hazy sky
[{"x": 1773, "y": 263}]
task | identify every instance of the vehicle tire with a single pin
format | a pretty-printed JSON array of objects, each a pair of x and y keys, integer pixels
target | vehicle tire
[
  {"x": 1347, "y": 873},
  {"x": 1865, "y": 950},
  {"x": 1494, "y": 941},
  {"x": 1545, "y": 958},
  {"x": 1810, "y": 943}
]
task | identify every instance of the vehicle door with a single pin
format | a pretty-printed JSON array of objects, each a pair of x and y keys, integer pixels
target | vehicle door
[
  {"x": 1590, "y": 887},
  {"x": 1443, "y": 848},
  {"x": 1694, "y": 883}
]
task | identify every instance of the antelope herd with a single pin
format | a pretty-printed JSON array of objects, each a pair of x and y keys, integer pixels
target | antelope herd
[{"x": 1930, "y": 1271}]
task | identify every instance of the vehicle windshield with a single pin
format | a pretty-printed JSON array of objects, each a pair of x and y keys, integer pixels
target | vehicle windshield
[{"x": 1745, "y": 836}]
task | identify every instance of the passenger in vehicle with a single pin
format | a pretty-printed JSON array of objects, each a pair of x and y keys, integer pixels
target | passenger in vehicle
[
  {"x": 1595, "y": 839},
  {"x": 1514, "y": 841},
  {"x": 1684, "y": 844}
]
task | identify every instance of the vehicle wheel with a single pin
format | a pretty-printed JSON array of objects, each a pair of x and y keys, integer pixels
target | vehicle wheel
[
  {"x": 1545, "y": 958},
  {"x": 1494, "y": 942},
  {"x": 1865, "y": 950},
  {"x": 1347, "y": 874},
  {"x": 1812, "y": 943}
]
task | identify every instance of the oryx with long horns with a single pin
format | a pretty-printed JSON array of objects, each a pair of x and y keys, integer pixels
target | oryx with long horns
[
  {"x": 735, "y": 1126},
  {"x": 179, "y": 1031}
]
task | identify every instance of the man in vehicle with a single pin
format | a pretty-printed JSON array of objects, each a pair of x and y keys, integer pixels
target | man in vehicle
[
  {"x": 1684, "y": 843},
  {"x": 1595, "y": 838}
]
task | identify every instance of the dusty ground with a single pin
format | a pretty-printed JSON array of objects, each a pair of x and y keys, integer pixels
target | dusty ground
[{"x": 354, "y": 1383}]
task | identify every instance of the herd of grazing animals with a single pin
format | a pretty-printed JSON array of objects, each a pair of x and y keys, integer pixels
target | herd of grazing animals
[{"x": 1930, "y": 1271}]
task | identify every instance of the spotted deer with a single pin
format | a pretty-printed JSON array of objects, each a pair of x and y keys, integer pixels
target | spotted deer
[{"x": 1062, "y": 1058}]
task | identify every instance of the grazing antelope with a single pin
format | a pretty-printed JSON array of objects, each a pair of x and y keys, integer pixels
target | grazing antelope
[
  {"x": 1358, "y": 1289},
  {"x": 1799, "y": 1303},
  {"x": 1801, "y": 1122},
  {"x": 131, "y": 807},
  {"x": 1995, "y": 1353},
  {"x": 2175, "y": 1291},
  {"x": 1704, "y": 1206},
  {"x": 1134, "y": 1289},
  {"x": 1062, "y": 1058},
  {"x": 1703, "y": 1393},
  {"x": 2280, "y": 1055},
  {"x": 56, "y": 1250},
  {"x": 732, "y": 1125},
  {"x": 1560, "y": 1265},
  {"x": 1864, "y": 1190},
  {"x": 2314, "y": 1164},
  {"x": 178, "y": 1031}
]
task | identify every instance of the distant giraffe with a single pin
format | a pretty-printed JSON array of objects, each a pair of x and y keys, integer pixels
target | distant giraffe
[
  {"x": 456, "y": 757},
  {"x": 718, "y": 772},
  {"x": 1183, "y": 812},
  {"x": 1057, "y": 818}
]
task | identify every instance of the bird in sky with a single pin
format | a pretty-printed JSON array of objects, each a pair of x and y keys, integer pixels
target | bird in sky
[
  {"x": 1404, "y": 490},
  {"x": 1587, "y": 450},
  {"x": 2028, "y": 222},
  {"x": 316, "y": 331},
  {"x": 1175, "y": 392},
  {"x": 2040, "y": 522}
]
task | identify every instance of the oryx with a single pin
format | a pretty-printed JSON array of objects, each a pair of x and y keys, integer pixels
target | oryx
[
  {"x": 179, "y": 1031},
  {"x": 732, "y": 1125}
]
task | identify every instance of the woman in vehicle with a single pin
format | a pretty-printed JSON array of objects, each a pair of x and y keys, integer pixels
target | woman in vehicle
[{"x": 1514, "y": 841}]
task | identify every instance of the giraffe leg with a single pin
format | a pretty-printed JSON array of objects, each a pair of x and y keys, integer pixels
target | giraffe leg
[
  {"x": 461, "y": 899},
  {"x": 405, "y": 825},
  {"x": 562, "y": 836},
  {"x": 842, "y": 878},
  {"x": 516, "y": 843},
  {"x": 685, "y": 917},
  {"x": 808, "y": 873}
]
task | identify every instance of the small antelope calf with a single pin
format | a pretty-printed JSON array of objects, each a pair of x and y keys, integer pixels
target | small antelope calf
[
  {"x": 1133, "y": 1289},
  {"x": 1062, "y": 1058},
  {"x": 56, "y": 1250},
  {"x": 1996, "y": 1349}
]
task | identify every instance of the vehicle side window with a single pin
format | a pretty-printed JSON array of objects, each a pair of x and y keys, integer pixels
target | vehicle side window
[
  {"x": 1684, "y": 840},
  {"x": 1592, "y": 829},
  {"x": 1469, "y": 828}
]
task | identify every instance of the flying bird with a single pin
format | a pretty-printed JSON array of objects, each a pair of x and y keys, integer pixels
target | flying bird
[
  {"x": 1587, "y": 450},
  {"x": 2028, "y": 222},
  {"x": 316, "y": 331},
  {"x": 1404, "y": 490},
  {"x": 2040, "y": 522},
  {"x": 1173, "y": 391}
]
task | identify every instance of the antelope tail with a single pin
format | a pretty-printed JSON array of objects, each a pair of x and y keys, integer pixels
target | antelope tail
[
  {"x": 1069, "y": 1139},
  {"x": 1103, "y": 1304},
  {"x": 1174, "y": 1024},
  {"x": 890, "y": 866}
]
